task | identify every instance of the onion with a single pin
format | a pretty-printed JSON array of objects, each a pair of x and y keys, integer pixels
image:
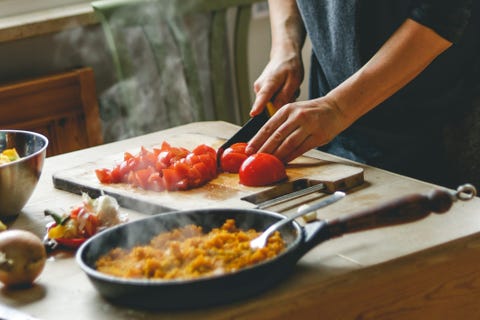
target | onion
[
  {"x": 107, "y": 210},
  {"x": 22, "y": 257}
]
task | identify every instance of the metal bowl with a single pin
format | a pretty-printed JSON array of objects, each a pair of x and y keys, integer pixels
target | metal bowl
[{"x": 19, "y": 178}]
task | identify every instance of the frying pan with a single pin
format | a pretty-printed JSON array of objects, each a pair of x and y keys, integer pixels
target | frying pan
[{"x": 246, "y": 282}]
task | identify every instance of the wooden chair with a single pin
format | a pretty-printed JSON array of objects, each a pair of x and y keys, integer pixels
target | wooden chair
[
  {"x": 162, "y": 30},
  {"x": 63, "y": 107}
]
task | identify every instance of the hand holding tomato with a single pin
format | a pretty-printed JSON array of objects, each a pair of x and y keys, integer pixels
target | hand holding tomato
[{"x": 261, "y": 169}]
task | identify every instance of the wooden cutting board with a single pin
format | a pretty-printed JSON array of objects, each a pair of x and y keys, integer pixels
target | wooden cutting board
[{"x": 223, "y": 191}]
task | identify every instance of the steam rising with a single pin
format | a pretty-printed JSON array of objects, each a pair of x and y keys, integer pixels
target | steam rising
[
  {"x": 154, "y": 94},
  {"x": 152, "y": 91}
]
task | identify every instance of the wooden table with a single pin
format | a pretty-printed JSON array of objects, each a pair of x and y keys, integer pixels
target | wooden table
[{"x": 424, "y": 270}]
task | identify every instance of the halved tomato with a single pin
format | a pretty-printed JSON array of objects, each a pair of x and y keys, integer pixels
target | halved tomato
[
  {"x": 233, "y": 157},
  {"x": 239, "y": 147},
  {"x": 261, "y": 169}
]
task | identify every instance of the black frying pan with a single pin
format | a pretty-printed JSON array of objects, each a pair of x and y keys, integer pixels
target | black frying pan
[{"x": 219, "y": 289}]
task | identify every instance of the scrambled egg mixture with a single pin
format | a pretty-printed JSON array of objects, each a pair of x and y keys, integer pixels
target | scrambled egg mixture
[{"x": 187, "y": 253}]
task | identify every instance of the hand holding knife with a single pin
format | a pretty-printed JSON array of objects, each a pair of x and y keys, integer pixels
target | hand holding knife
[{"x": 249, "y": 129}]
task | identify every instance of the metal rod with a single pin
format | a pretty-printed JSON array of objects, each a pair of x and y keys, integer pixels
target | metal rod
[{"x": 291, "y": 196}]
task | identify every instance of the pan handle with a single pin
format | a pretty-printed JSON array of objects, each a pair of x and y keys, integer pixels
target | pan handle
[
  {"x": 402, "y": 210},
  {"x": 406, "y": 209}
]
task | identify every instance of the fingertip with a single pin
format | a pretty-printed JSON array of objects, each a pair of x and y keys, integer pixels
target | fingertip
[
  {"x": 253, "y": 109},
  {"x": 249, "y": 150},
  {"x": 259, "y": 104}
]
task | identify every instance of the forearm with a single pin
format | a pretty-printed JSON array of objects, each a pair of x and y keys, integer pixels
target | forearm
[
  {"x": 407, "y": 53},
  {"x": 283, "y": 74},
  {"x": 288, "y": 31}
]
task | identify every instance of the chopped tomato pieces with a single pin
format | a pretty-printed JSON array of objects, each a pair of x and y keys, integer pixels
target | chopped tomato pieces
[
  {"x": 165, "y": 168},
  {"x": 104, "y": 175}
]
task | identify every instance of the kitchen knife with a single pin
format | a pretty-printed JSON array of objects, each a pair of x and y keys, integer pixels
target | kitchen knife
[
  {"x": 249, "y": 129},
  {"x": 301, "y": 187}
]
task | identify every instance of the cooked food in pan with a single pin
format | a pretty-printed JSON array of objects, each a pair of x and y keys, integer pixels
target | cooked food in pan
[{"x": 188, "y": 252}]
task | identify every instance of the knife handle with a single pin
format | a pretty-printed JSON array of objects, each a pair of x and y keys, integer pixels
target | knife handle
[{"x": 271, "y": 109}]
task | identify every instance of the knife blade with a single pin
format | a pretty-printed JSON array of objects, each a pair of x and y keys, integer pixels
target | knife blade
[
  {"x": 292, "y": 195},
  {"x": 294, "y": 189},
  {"x": 284, "y": 192},
  {"x": 248, "y": 130}
]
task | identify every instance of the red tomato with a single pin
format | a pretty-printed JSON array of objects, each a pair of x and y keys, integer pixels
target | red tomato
[
  {"x": 127, "y": 156},
  {"x": 141, "y": 177},
  {"x": 165, "y": 146},
  {"x": 76, "y": 211},
  {"x": 116, "y": 174},
  {"x": 148, "y": 157},
  {"x": 104, "y": 175},
  {"x": 233, "y": 157},
  {"x": 195, "y": 177},
  {"x": 261, "y": 169},
  {"x": 182, "y": 168},
  {"x": 179, "y": 153},
  {"x": 132, "y": 164},
  {"x": 91, "y": 225},
  {"x": 239, "y": 147},
  {"x": 231, "y": 161},
  {"x": 204, "y": 149},
  {"x": 164, "y": 158},
  {"x": 192, "y": 158},
  {"x": 210, "y": 163},
  {"x": 155, "y": 182},
  {"x": 203, "y": 170},
  {"x": 167, "y": 167},
  {"x": 124, "y": 168},
  {"x": 172, "y": 179}
]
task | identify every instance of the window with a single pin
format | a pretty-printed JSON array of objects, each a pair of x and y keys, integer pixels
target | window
[{"x": 14, "y": 7}]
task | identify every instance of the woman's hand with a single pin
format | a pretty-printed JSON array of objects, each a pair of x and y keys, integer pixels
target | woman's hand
[
  {"x": 279, "y": 81},
  {"x": 298, "y": 127}
]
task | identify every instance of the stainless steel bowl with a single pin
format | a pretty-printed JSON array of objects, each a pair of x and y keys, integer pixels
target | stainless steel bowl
[{"x": 19, "y": 178}]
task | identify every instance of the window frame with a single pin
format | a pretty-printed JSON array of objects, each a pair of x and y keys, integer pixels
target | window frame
[{"x": 10, "y": 8}]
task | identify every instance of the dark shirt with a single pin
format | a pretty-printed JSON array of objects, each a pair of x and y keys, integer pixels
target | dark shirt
[{"x": 403, "y": 133}]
